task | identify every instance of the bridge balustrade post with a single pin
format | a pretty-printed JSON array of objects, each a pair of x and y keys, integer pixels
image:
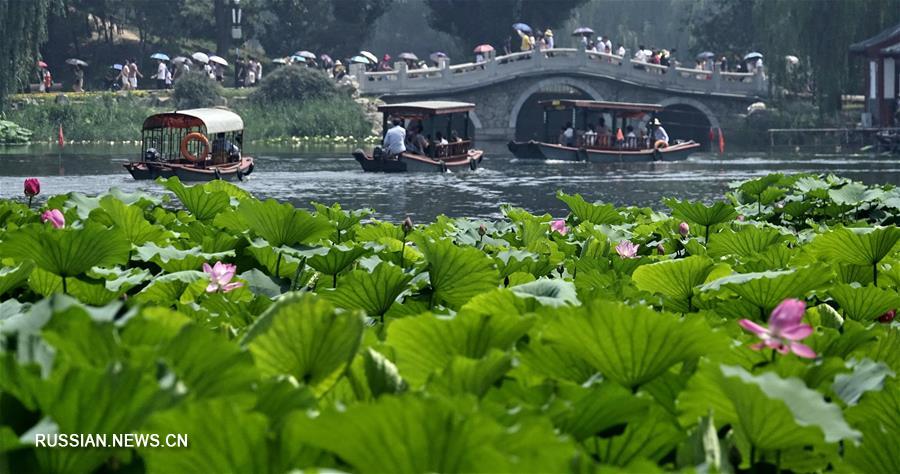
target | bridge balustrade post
[
  {"x": 490, "y": 64},
  {"x": 358, "y": 71},
  {"x": 444, "y": 65},
  {"x": 581, "y": 56},
  {"x": 401, "y": 73},
  {"x": 716, "y": 79},
  {"x": 760, "y": 80},
  {"x": 538, "y": 57}
]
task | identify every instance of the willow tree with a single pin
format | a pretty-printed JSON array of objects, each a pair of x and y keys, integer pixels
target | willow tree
[{"x": 23, "y": 27}]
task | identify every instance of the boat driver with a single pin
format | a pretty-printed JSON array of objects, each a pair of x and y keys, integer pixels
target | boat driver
[
  {"x": 224, "y": 149},
  {"x": 393, "y": 144},
  {"x": 659, "y": 133}
]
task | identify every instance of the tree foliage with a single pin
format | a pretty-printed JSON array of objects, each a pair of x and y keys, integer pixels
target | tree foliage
[{"x": 23, "y": 27}]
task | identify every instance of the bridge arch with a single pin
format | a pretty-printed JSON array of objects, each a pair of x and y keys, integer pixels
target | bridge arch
[
  {"x": 700, "y": 106},
  {"x": 687, "y": 118},
  {"x": 544, "y": 84}
]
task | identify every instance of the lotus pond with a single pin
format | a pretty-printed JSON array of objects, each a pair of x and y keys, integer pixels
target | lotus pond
[{"x": 755, "y": 333}]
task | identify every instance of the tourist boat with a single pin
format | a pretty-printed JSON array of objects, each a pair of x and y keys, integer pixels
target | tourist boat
[
  {"x": 193, "y": 145},
  {"x": 614, "y": 147},
  {"x": 436, "y": 118}
]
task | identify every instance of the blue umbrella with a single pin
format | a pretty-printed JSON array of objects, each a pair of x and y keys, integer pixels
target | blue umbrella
[
  {"x": 522, "y": 27},
  {"x": 160, "y": 56},
  {"x": 359, "y": 59},
  {"x": 298, "y": 59},
  {"x": 117, "y": 67}
]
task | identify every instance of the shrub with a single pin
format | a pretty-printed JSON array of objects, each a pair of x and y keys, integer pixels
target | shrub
[
  {"x": 197, "y": 90},
  {"x": 339, "y": 116},
  {"x": 294, "y": 84}
]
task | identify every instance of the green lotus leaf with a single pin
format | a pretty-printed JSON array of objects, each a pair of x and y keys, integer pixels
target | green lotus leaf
[
  {"x": 587, "y": 212},
  {"x": 222, "y": 437},
  {"x": 857, "y": 246},
  {"x": 651, "y": 437},
  {"x": 13, "y": 277},
  {"x": 629, "y": 345},
  {"x": 548, "y": 292},
  {"x": 594, "y": 409},
  {"x": 674, "y": 279},
  {"x": 172, "y": 260},
  {"x": 201, "y": 201},
  {"x": 854, "y": 194},
  {"x": 755, "y": 187},
  {"x": 515, "y": 260},
  {"x": 702, "y": 214},
  {"x": 457, "y": 273},
  {"x": 381, "y": 374},
  {"x": 555, "y": 362},
  {"x": 66, "y": 252},
  {"x": 465, "y": 375},
  {"x": 169, "y": 288},
  {"x": 427, "y": 344},
  {"x": 282, "y": 224},
  {"x": 766, "y": 290},
  {"x": 867, "y": 376},
  {"x": 865, "y": 303},
  {"x": 343, "y": 220},
  {"x": 336, "y": 258},
  {"x": 371, "y": 291},
  {"x": 127, "y": 218},
  {"x": 84, "y": 204},
  {"x": 305, "y": 337},
  {"x": 747, "y": 242},
  {"x": 408, "y": 435},
  {"x": 880, "y": 431}
]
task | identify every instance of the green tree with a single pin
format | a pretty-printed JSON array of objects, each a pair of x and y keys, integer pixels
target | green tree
[
  {"x": 23, "y": 27},
  {"x": 472, "y": 23}
]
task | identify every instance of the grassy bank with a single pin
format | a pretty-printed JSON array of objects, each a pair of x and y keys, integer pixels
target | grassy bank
[{"x": 105, "y": 117}]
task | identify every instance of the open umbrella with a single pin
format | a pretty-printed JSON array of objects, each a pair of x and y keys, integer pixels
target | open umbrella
[
  {"x": 326, "y": 59},
  {"x": 360, "y": 60},
  {"x": 298, "y": 59},
  {"x": 181, "y": 59},
  {"x": 752, "y": 56},
  {"x": 279, "y": 61},
  {"x": 371, "y": 57},
  {"x": 408, "y": 56},
  {"x": 791, "y": 59},
  {"x": 218, "y": 60},
  {"x": 706, "y": 55},
  {"x": 437, "y": 56},
  {"x": 76, "y": 62},
  {"x": 200, "y": 57},
  {"x": 583, "y": 31},
  {"x": 117, "y": 67},
  {"x": 305, "y": 54},
  {"x": 483, "y": 48},
  {"x": 160, "y": 56},
  {"x": 41, "y": 64},
  {"x": 522, "y": 27}
]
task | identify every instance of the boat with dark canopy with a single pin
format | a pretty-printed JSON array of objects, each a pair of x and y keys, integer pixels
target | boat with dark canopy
[
  {"x": 611, "y": 147},
  {"x": 193, "y": 145},
  {"x": 436, "y": 118}
]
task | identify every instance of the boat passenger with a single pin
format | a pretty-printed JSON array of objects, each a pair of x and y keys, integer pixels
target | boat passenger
[
  {"x": 223, "y": 150},
  {"x": 631, "y": 139},
  {"x": 568, "y": 135},
  {"x": 393, "y": 144},
  {"x": 659, "y": 133},
  {"x": 419, "y": 142},
  {"x": 590, "y": 136},
  {"x": 454, "y": 137},
  {"x": 603, "y": 133}
]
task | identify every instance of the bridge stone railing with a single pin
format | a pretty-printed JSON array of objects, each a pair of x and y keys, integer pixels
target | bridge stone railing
[{"x": 458, "y": 77}]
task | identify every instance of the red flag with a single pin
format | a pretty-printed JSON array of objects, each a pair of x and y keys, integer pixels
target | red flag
[
  {"x": 62, "y": 138},
  {"x": 721, "y": 141}
]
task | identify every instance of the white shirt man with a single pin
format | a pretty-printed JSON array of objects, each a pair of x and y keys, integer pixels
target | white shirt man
[
  {"x": 607, "y": 46},
  {"x": 620, "y": 51},
  {"x": 393, "y": 142},
  {"x": 640, "y": 56}
]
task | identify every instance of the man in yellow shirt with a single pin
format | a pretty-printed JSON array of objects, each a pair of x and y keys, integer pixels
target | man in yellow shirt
[{"x": 527, "y": 41}]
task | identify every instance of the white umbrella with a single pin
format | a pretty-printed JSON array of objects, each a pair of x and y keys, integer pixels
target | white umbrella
[
  {"x": 200, "y": 57},
  {"x": 218, "y": 60},
  {"x": 181, "y": 59},
  {"x": 792, "y": 59},
  {"x": 371, "y": 57}
]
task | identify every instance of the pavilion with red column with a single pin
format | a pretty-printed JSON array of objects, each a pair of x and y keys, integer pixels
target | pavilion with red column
[{"x": 882, "y": 52}]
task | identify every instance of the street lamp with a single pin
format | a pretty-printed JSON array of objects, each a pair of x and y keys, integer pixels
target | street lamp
[{"x": 236, "y": 36}]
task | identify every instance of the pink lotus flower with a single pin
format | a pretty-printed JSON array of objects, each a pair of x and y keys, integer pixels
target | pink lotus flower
[
  {"x": 54, "y": 217},
  {"x": 220, "y": 276},
  {"x": 740, "y": 218},
  {"x": 785, "y": 329},
  {"x": 32, "y": 187},
  {"x": 888, "y": 316},
  {"x": 559, "y": 225},
  {"x": 684, "y": 229},
  {"x": 626, "y": 249}
]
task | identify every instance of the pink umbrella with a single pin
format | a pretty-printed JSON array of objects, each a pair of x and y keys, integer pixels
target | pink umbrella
[
  {"x": 41, "y": 64},
  {"x": 484, "y": 48}
]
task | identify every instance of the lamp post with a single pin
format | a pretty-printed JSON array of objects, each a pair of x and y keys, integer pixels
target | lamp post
[{"x": 236, "y": 36}]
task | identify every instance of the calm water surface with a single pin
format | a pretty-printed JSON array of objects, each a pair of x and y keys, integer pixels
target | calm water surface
[{"x": 329, "y": 174}]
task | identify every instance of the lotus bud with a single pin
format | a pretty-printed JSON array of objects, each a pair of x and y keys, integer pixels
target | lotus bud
[
  {"x": 32, "y": 187},
  {"x": 660, "y": 249},
  {"x": 407, "y": 225},
  {"x": 482, "y": 229},
  {"x": 740, "y": 218},
  {"x": 55, "y": 218},
  {"x": 684, "y": 229},
  {"x": 887, "y": 317}
]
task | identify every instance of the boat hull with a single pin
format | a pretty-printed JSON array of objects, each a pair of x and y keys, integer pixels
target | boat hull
[
  {"x": 412, "y": 163},
  {"x": 550, "y": 151},
  {"x": 144, "y": 170}
]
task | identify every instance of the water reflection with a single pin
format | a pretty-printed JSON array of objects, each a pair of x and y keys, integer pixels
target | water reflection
[{"x": 329, "y": 174}]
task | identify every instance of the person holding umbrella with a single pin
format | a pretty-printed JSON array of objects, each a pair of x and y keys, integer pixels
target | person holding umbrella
[
  {"x": 524, "y": 32},
  {"x": 161, "y": 72},
  {"x": 78, "y": 84}
]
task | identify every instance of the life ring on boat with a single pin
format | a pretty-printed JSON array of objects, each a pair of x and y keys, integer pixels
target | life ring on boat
[
  {"x": 186, "y": 153},
  {"x": 473, "y": 165},
  {"x": 659, "y": 144}
]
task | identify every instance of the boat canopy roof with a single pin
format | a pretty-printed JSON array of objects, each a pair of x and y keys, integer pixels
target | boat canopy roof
[
  {"x": 428, "y": 107},
  {"x": 600, "y": 105},
  {"x": 214, "y": 120}
]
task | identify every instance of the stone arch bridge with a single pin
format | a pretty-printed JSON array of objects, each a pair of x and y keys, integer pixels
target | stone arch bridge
[{"x": 506, "y": 89}]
